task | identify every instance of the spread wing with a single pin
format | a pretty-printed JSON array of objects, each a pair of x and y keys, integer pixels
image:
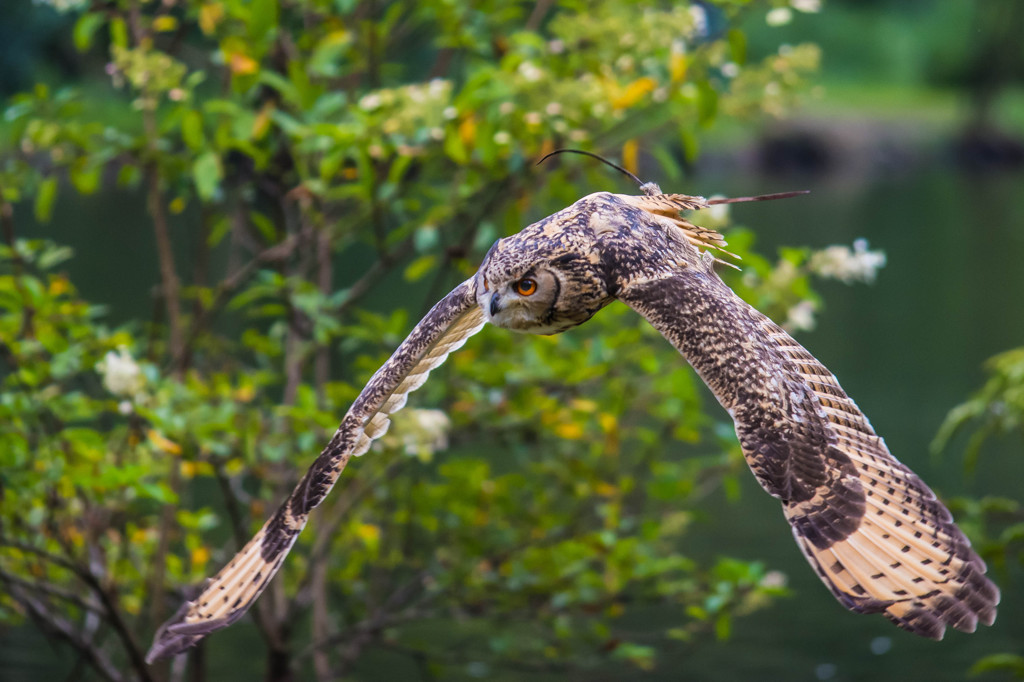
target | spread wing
[
  {"x": 230, "y": 593},
  {"x": 874, "y": 532}
]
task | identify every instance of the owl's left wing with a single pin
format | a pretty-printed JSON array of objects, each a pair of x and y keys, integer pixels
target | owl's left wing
[
  {"x": 874, "y": 532},
  {"x": 230, "y": 593}
]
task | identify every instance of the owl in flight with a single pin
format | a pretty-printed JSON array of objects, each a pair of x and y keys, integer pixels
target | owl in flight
[{"x": 873, "y": 531}]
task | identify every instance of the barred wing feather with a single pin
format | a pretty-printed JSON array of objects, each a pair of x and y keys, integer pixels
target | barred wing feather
[
  {"x": 874, "y": 532},
  {"x": 227, "y": 596}
]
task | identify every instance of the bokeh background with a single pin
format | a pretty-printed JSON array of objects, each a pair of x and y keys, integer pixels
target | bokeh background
[{"x": 553, "y": 509}]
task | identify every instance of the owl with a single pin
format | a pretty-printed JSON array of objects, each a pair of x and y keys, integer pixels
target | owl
[{"x": 872, "y": 530}]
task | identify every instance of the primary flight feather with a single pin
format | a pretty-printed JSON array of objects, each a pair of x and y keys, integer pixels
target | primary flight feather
[{"x": 874, "y": 532}]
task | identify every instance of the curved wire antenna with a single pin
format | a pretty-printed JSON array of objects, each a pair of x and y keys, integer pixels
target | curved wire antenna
[
  {"x": 656, "y": 190},
  {"x": 759, "y": 197},
  {"x": 592, "y": 155}
]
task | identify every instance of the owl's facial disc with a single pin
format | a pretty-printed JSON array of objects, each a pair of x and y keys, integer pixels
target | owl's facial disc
[
  {"x": 525, "y": 304},
  {"x": 544, "y": 295}
]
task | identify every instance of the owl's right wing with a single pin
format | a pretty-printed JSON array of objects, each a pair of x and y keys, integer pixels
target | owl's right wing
[
  {"x": 874, "y": 532},
  {"x": 230, "y": 593}
]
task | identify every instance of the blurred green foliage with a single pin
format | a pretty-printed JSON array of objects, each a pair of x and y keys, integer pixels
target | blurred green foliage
[
  {"x": 331, "y": 150},
  {"x": 997, "y": 523}
]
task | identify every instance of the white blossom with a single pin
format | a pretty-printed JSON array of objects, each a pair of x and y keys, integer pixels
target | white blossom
[
  {"x": 556, "y": 47},
  {"x": 625, "y": 63},
  {"x": 774, "y": 579},
  {"x": 63, "y": 5},
  {"x": 370, "y": 102},
  {"x": 502, "y": 137},
  {"x": 419, "y": 432},
  {"x": 800, "y": 317},
  {"x": 730, "y": 69},
  {"x": 780, "y": 16},
  {"x": 530, "y": 71},
  {"x": 553, "y": 109},
  {"x": 700, "y": 20},
  {"x": 808, "y": 6},
  {"x": 450, "y": 113},
  {"x": 121, "y": 374},
  {"x": 718, "y": 214},
  {"x": 783, "y": 275},
  {"x": 438, "y": 87},
  {"x": 416, "y": 93},
  {"x": 532, "y": 118},
  {"x": 848, "y": 265}
]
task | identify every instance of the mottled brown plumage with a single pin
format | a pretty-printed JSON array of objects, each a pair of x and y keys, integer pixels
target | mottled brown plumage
[{"x": 873, "y": 531}]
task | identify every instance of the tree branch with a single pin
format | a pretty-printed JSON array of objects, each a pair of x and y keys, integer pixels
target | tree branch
[{"x": 61, "y": 628}]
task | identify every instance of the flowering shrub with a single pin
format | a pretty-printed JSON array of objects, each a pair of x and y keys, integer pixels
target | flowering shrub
[{"x": 324, "y": 155}]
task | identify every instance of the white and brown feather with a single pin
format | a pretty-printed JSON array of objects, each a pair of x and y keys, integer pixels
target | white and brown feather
[
  {"x": 876, "y": 534},
  {"x": 227, "y": 596}
]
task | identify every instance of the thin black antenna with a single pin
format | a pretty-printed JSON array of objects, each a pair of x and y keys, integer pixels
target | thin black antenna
[
  {"x": 593, "y": 156},
  {"x": 759, "y": 197}
]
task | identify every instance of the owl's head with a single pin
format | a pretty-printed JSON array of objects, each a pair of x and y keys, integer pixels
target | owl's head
[{"x": 543, "y": 280}]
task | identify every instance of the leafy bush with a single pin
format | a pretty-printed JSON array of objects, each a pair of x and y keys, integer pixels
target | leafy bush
[{"x": 332, "y": 159}]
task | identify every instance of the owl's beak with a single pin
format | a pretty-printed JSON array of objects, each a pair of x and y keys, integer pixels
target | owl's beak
[{"x": 495, "y": 304}]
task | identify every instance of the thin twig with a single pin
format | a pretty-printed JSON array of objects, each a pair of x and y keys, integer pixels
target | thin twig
[
  {"x": 540, "y": 10},
  {"x": 51, "y": 591},
  {"x": 62, "y": 628}
]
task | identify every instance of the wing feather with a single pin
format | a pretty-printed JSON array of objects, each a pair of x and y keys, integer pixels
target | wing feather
[
  {"x": 874, "y": 532},
  {"x": 227, "y": 596}
]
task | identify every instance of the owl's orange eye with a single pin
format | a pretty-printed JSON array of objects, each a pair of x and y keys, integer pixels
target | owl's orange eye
[{"x": 526, "y": 287}]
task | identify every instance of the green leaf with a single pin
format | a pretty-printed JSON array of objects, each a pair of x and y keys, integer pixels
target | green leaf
[
  {"x": 45, "y": 197},
  {"x": 723, "y": 626},
  {"x": 118, "y": 33},
  {"x": 262, "y": 18},
  {"x": 455, "y": 149},
  {"x": 420, "y": 267},
  {"x": 691, "y": 144},
  {"x": 738, "y": 46},
  {"x": 707, "y": 103},
  {"x": 128, "y": 175},
  {"x": 159, "y": 492},
  {"x": 85, "y": 28},
  {"x": 85, "y": 178},
  {"x": 207, "y": 174},
  {"x": 53, "y": 256},
  {"x": 265, "y": 225},
  {"x": 1009, "y": 662},
  {"x": 192, "y": 130}
]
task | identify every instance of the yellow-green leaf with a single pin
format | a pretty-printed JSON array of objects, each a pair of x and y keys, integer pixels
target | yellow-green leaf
[
  {"x": 84, "y": 29},
  {"x": 44, "y": 199},
  {"x": 207, "y": 173}
]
